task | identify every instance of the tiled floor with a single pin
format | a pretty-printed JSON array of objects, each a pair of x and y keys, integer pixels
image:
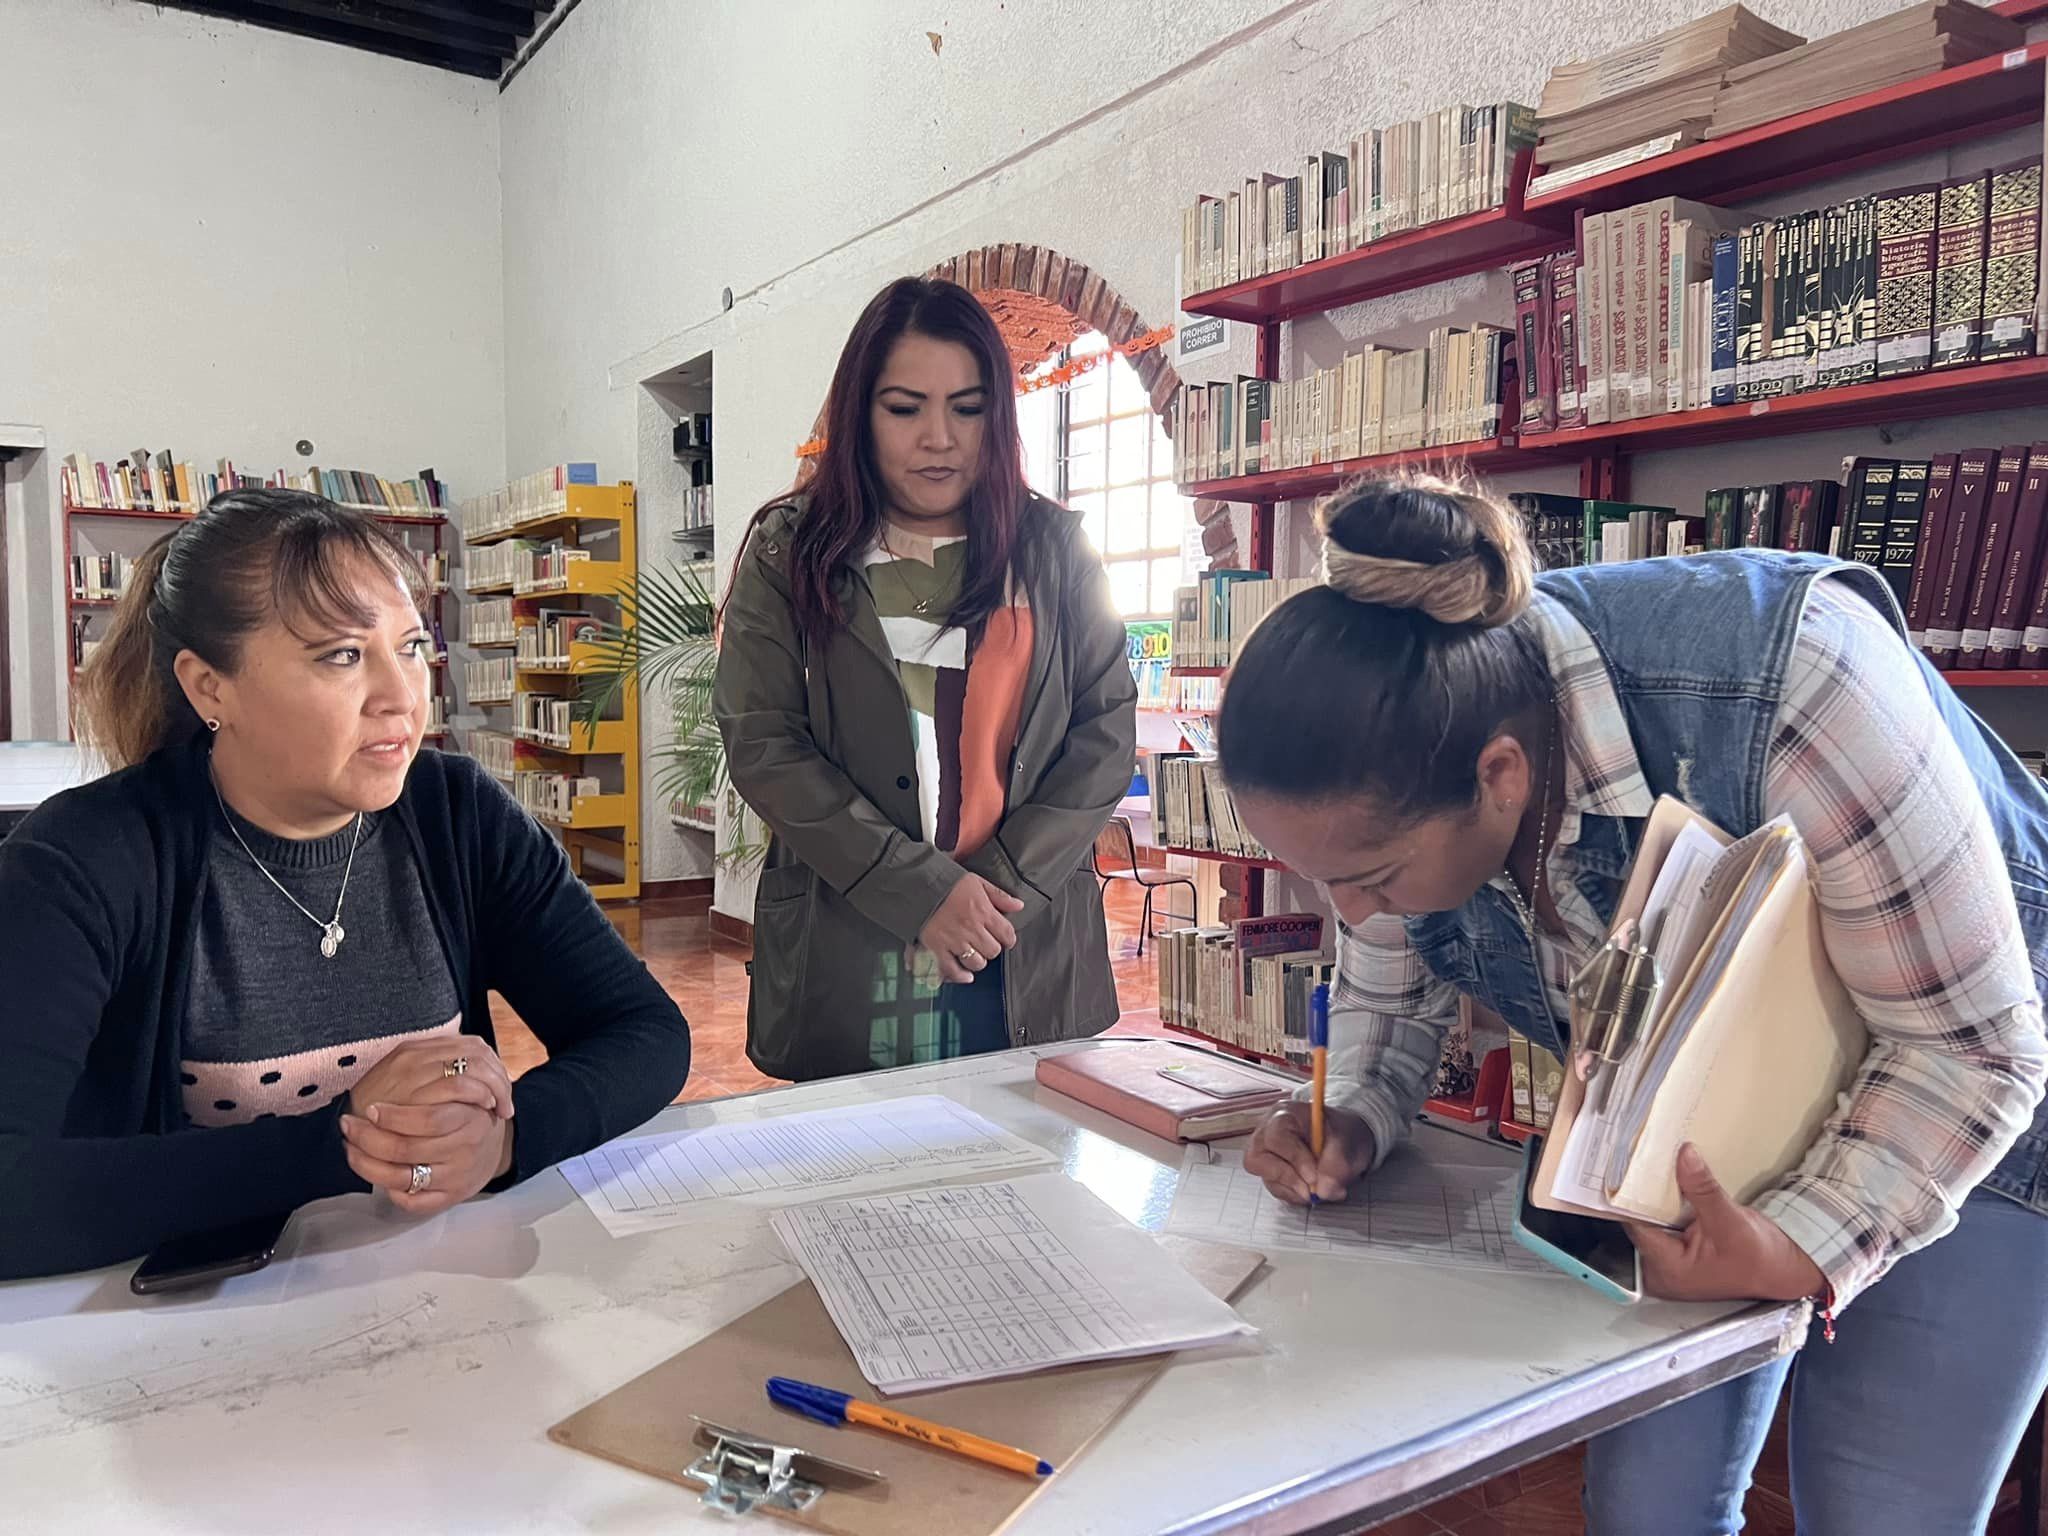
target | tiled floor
[{"x": 706, "y": 974}]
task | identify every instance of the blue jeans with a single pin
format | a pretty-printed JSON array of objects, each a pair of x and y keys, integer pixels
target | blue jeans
[{"x": 1904, "y": 1426}]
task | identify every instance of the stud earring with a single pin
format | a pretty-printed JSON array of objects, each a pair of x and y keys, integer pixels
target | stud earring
[{"x": 213, "y": 725}]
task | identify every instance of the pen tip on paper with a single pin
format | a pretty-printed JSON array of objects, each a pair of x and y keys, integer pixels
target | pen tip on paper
[
  {"x": 1312, "y": 1200},
  {"x": 1045, "y": 1469}
]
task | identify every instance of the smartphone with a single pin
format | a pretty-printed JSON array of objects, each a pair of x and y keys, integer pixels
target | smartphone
[
  {"x": 204, "y": 1257},
  {"x": 1587, "y": 1248}
]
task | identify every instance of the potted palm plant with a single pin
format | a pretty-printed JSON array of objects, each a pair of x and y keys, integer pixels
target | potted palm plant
[{"x": 665, "y": 641}]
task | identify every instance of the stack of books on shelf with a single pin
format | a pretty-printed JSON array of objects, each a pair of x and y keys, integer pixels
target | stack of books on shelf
[
  {"x": 1378, "y": 400},
  {"x": 437, "y": 714},
  {"x": 1888, "y": 51},
  {"x": 99, "y": 578},
  {"x": 544, "y": 493},
  {"x": 1599, "y": 115},
  {"x": 1217, "y": 615},
  {"x": 696, "y": 509},
  {"x": 1454, "y": 162},
  {"x": 143, "y": 482},
  {"x": 434, "y": 567},
  {"x": 493, "y": 749},
  {"x": 545, "y": 567},
  {"x": 1535, "y": 1082},
  {"x": 1192, "y": 808},
  {"x": 1247, "y": 984},
  {"x": 489, "y": 681},
  {"x": 691, "y": 441},
  {"x": 546, "y": 642},
  {"x": 1672, "y": 305},
  {"x": 1961, "y": 538},
  {"x": 542, "y": 718},
  {"x": 551, "y": 796},
  {"x": 497, "y": 565},
  {"x": 491, "y": 621}
]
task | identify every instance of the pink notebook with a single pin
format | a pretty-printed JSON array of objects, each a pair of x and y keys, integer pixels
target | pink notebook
[{"x": 1176, "y": 1092}]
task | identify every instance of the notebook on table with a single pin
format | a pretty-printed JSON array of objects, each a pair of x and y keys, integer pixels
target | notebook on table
[{"x": 1176, "y": 1092}]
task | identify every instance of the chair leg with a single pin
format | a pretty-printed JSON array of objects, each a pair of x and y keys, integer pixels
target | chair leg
[{"x": 1144, "y": 922}]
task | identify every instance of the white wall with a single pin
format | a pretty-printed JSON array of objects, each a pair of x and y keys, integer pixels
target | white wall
[
  {"x": 804, "y": 153},
  {"x": 219, "y": 240}
]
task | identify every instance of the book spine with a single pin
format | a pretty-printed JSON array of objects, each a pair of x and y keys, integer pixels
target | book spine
[
  {"x": 1675, "y": 238},
  {"x": 1813, "y": 316},
  {"x": 1593, "y": 315},
  {"x": 1727, "y": 283},
  {"x": 2012, "y": 262},
  {"x": 1749, "y": 323},
  {"x": 1567, "y": 342},
  {"x": 1902, "y": 529},
  {"x": 1904, "y": 230},
  {"x": 1934, "y": 525},
  {"x": 1863, "y": 281},
  {"x": 1989, "y": 558},
  {"x": 1965, "y": 208},
  {"x": 1831, "y": 332},
  {"x": 1528, "y": 284},
  {"x": 1872, "y": 511},
  {"x": 1642, "y": 310},
  {"x": 2029, "y": 531},
  {"x": 1620, "y": 279},
  {"x": 1974, "y": 470}
]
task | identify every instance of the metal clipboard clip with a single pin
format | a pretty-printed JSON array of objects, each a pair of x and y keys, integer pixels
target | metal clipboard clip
[
  {"x": 1611, "y": 998},
  {"x": 740, "y": 1470}
]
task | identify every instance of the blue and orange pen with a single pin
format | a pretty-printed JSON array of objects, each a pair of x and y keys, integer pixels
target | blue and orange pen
[
  {"x": 1319, "y": 1059},
  {"x": 830, "y": 1407}
]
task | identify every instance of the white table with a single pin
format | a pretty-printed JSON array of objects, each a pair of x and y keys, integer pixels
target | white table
[
  {"x": 32, "y": 771},
  {"x": 398, "y": 1376}
]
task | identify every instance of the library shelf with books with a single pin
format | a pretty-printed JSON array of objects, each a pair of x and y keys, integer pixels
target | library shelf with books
[
  {"x": 561, "y": 547},
  {"x": 1214, "y": 857},
  {"x": 1944, "y": 107},
  {"x": 1226, "y": 1048}
]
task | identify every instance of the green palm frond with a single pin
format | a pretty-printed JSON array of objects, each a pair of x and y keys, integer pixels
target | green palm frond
[{"x": 665, "y": 643}]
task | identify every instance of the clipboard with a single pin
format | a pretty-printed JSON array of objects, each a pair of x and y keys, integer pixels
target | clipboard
[
  {"x": 707, "y": 1408},
  {"x": 1775, "y": 1041}
]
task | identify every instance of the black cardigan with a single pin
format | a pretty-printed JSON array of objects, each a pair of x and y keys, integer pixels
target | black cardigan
[{"x": 98, "y": 894}]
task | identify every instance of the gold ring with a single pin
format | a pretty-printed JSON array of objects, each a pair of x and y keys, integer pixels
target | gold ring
[
  {"x": 456, "y": 1068},
  {"x": 969, "y": 955}
]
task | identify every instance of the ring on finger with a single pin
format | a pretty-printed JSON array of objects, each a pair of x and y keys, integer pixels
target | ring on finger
[
  {"x": 969, "y": 956},
  {"x": 457, "y": 1067},
  {"x": 422, "y": 1176}
]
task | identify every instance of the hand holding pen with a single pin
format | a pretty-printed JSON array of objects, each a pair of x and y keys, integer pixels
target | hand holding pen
[{"x": 1302, "y": 1161}]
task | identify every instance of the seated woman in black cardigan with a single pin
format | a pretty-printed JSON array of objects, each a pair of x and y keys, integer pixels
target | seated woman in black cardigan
[{"x": 250, "y": 968}]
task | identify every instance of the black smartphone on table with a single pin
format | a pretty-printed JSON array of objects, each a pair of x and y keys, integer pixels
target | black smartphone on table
[{"x": 205, "y": 1257}]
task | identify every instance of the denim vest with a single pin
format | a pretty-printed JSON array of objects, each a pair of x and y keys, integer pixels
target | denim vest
[{"x": 1701, "y": 699}]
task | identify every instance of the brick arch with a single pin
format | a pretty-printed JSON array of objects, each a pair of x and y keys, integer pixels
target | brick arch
[{"x": 1029, "y": 288}]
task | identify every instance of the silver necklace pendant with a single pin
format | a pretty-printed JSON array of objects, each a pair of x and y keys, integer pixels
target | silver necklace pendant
[{"x": 330, "y": 939}]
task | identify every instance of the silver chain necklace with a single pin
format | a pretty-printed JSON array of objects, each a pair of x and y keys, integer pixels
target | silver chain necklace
[
  {"x": 331, "y": 932},
  {"x": 1526, "y": 909}
]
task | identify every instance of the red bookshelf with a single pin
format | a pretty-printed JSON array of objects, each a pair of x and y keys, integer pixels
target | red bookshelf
[
  {"x": 1987, "y": 678},
  {"x": 2022, "y": 10},
  {"x": 1221, "y": 858},
  {"x": 1317, "y": 479},
  {"x": 1946, "y": 107},
  {"x": 1195, "y": 671},
  {"x": 1242, "y": 1053}
]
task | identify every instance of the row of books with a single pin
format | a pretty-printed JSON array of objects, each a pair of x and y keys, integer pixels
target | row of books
[
  {"x": 493, "y": 749},
  {"x": 489, "y": 681},
  {"x": 1192, "y": 808},
  {"x": 1672, "y": 305},
  {"x": 696, "y": 508},
  {"x": 1535, "y": 1082},
  {"x": 544, "y": 493},
  {"x": 143, "y": 482},
  {"x": 1454, "y": 162},
  {"x": 1212, "y": 618},
  {"x": 1453, "y": 390},
  {"x": 491, "y": 621},
  {"x": 1248, "y": 983},
  {"x": 1730, "y": 71},
  {"x": 527, "y": 565},
  {"x": 543, "y": 718},
  {"x": 546, "y": 642},
  {"x": 100, "y": 578},
  {"x": 437, "y": 713},
  {"x": 551, "y": 796}
]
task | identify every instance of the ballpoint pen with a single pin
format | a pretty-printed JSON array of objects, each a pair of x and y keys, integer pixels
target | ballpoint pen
[
  {"x": 1319, "y": 1058},
  {"x": 830, "y": 1407}
]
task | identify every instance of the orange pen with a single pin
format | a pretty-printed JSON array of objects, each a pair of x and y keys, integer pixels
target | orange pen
[
  {"x": 1319, "y": 1058},
  {"x": 830, "y": 1407}
]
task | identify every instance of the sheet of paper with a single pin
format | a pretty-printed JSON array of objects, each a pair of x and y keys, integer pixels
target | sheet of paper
[
  {"x": 1413, "y": 1209},
  {"x": 640, "y": 1183},
  {"x": 939, "y": 1287}
]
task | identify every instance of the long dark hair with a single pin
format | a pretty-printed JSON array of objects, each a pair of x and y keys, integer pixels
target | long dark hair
[
  {"x": 205, "y": 588},
  {"x": 1389, "y": 678},
  {"x": 842, "y": 498}
]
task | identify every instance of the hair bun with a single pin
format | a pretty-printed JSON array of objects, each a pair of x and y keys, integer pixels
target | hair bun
[{"x": 1423, "y": 543}]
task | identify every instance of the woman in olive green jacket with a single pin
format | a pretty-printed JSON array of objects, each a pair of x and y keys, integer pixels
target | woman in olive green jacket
[{"x": 923, "y": 691}]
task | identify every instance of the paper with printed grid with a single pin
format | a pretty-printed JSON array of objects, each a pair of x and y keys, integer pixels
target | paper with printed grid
[
  {"x": 940, "y": 1287},
  {"x": 641, "y": 1183}
]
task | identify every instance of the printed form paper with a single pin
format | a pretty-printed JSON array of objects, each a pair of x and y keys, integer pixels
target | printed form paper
[
  {"x": 939, "y": 1287},
  {"x": 1412, "y": 1209},
  {"x": 641, "y": 1183}
]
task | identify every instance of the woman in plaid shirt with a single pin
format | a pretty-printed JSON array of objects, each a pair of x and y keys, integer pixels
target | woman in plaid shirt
[{"x": 1466, "y": 775}]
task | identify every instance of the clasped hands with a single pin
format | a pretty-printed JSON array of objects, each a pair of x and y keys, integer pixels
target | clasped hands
[
  {"x": 970, "y": 929},
  {"x": 410, "y": 1110},
  {"x": 1728, "y": 1252}
]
